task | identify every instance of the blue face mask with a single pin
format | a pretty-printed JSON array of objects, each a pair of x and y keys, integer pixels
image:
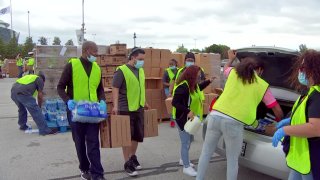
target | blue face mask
[
  {"x": 303, "y": 79},
  {"x": 173, "y": 67},
  {"x": 139, "y": 64},
  {"x": 188, "y": 63},
  {"x": 92, "y": 58}
]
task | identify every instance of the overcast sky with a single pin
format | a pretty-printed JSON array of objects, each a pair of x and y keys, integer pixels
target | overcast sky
[{"x": 169, "y": 23}]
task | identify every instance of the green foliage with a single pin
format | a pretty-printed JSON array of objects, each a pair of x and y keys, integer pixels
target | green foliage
[
  {"x": 43, "y": 41},
  {"x": 69, "y": 43},
  {"x": 56, "y": 41},
  {"x": 27, "y": 46},
  {"x": 302, "y": 48},
  {"x": 195, "y": 50},
  {"x": 218, "y": 48},
  {"x": 12, "y": 48},
  {"x": 182, "y": 49},
  {"x": 2, "y": 49}
]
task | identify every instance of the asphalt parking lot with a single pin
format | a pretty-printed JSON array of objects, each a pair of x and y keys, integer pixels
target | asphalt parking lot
[{"x": 33, "y": 157}]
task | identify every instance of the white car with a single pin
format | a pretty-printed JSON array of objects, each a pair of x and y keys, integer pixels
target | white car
[{"x": 257, "y": 150}]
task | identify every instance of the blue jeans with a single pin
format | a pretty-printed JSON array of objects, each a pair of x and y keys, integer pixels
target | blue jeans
[
  {"x": 20, "y": 70},
  {"x": 232, "y": 132},
  {"x": 294, "y": 175},
  {"x": 185, "y": 146},
  {"x": 29, "y": 103}
]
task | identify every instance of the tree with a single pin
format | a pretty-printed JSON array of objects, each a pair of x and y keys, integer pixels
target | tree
[
  {"x": 43, "y": 41},
  {"x": 56, "y": 41},
  {"x": 195, "y": 50},
  {"x": 182, "y": 49},
  {"x": 12, "y": 48},
  {"x": 302, "y": 48},
  {"x": 27, "y": 46},
  {"x": 221, "y": 49},
  {"x": 69, "y": 43},
  {"x": 2, "y": 48}
]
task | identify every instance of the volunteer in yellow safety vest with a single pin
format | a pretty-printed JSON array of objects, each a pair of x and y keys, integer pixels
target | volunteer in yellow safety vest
[
  {"x": 236, "y": 107},
  {"x": 22, "y": 93},
  {"x": 19, "y": 65},
  {"x": 30, "y": 63},
  {"x": 187, "y": 103},
  {"x": 128, "y": 91},
  {"x": 302, "y": 129},
  {"x": 81, "y": 81},
  {"x": 189, "y": 60},
  {"x": 167, "y": 78}
]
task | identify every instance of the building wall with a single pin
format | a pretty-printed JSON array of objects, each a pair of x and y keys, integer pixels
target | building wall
[{"x": 5, "y": 34}]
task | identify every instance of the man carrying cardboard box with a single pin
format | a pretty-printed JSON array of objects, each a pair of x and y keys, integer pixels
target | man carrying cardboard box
[
  {"x": 167, "y": 78},
  {"x": 128, "y": 91},
  {"x": 81, "y": 81}
]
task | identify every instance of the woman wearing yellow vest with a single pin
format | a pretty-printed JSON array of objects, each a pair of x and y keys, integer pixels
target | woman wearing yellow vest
[
  {"x": 302, "y": 129},
  {"x": 236, "y": 107},
  {"x": 187, "y": 102},
  {"x": 167, "y": 78}
]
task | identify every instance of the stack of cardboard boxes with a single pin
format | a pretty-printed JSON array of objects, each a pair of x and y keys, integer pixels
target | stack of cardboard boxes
[
  {"x": 110, "y": 57},
  {"x": 51, "y": 60}
]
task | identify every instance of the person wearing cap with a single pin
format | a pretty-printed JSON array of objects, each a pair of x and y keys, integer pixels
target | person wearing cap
[
  {"x": 30, "y": 63},
  {"x": 128, "y": 91},
  {"x": 19, "y": 65},
  {"x": 23, "y": 94},
  {"x": 167, "y": 78},
  {"x": 81, "y": 81}
]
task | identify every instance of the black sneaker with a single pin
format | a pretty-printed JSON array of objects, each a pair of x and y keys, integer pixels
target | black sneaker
[
  {"x": 23, "y": 128},
  {"x": 85, "y": 175},
  {"x": 135, "y": 162},
  {"x": 129, "y": 168}
]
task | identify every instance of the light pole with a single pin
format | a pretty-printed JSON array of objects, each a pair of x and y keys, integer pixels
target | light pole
[
  {"x": 82, "y": 29},
  {"x": 134, "y": 39},
  {"x": 28, "y": 24}
]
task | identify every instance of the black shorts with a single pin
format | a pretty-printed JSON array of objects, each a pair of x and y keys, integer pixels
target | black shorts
[{"x": 136, "y": 124}]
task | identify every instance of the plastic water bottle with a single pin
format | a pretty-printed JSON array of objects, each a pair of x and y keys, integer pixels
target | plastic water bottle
[
  {"x": 103, "y": 111},
  {"x": 94, "y": 110},
  {"x": 83, "y": 108}
]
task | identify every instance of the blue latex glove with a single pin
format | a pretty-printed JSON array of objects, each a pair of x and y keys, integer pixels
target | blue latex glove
[
  {"x": 283, "y": 122},
  {"x": 278, "y": 135},
  {"x": 103, "y": 105},
  {"x": 71, "y": 104}
]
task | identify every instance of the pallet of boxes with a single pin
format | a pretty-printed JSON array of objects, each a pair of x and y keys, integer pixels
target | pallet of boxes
[
  {"x": 211, "y": 65},
  {"x": 51, "y": 60},
  {"x": 115, "y": 132}
]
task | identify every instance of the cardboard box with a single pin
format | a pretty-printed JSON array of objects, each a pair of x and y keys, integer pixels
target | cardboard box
[
  {"x": 155, "y": 72},
  {"x": 12, "y": 70},
  {"x": 153, "y": 94},
  {"x": 156, "y": 104},
  {"x": 103, "y": 50},
  {"x": 147, "y": 71},
  {"x": 150, "y": 123},
  {"x": 165, "y": 58},
  {"x": 179, "y": 57},
  {"x": 168, "y": 103},
  {"x": 107, "y": 70},
  {"x": 107, "y": 81},
  {"x": 165, "y": 114},
  {"x": 115, "y": 132},
  {"x": 118, "y": 49},
  {"x": 155, "y": 62},
  {"x": 147, "y": 58},
  {"x": 116, "y": 60},
  {"x": 108, "y": 96},
  {"x": 51, "y": 62},
  {"x": 109, "y": 107},
  {"x": 156, "y": 54},
  {"x": 153, "y": 83}
]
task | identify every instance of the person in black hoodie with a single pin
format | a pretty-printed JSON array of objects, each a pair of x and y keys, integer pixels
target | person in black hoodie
[{"x": 187, "y": 103}]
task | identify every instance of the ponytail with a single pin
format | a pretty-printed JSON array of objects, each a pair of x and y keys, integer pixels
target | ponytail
[{"x": 246, "y": 69}]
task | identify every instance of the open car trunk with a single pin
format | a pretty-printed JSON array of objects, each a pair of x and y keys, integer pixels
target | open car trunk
[{"x": 278, "y": 64}]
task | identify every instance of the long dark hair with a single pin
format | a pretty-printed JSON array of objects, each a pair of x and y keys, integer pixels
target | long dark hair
[
  {"x": 309, "y": 63},
  {"x": 190, "y": 75},
  {"x": 246, "y": 69}
]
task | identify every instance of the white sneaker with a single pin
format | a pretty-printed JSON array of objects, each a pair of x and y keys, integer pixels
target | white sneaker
[
  {"x": 190, "y": 171},
  {"x": 181, "y": 163}
]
